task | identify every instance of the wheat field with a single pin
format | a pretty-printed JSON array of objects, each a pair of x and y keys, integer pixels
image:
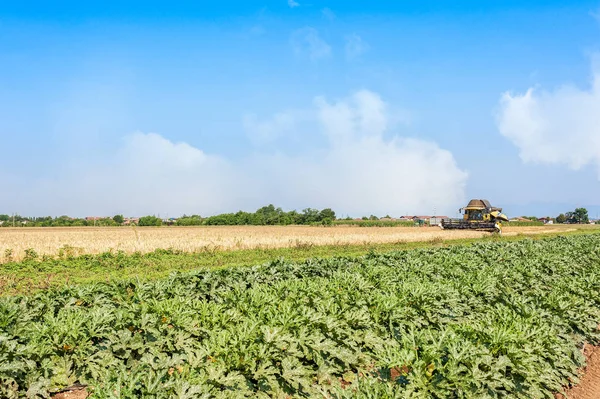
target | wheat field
[{"x": 14, "y": 242}]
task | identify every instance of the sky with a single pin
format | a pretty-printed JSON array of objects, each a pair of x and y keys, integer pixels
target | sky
[{"x": 404, "y": 107}]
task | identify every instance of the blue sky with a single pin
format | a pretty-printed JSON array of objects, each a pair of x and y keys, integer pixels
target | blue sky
[{"x": 387, "y": 107}]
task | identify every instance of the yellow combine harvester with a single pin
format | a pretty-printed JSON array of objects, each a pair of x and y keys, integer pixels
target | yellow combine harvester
[{"x": 478, "y": 215}]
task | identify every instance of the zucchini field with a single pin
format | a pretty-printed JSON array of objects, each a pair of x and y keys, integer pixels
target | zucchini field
[{"x": 488, "y": 320}]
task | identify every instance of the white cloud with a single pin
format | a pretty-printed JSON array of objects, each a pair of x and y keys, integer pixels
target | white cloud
[
  {"x": 362, "y": 115},
  {"x": 147, "y": 174},
  {"x": 559, "y": 127},
  {"x": 357, "y": 171},
  {"x": 293, "y": 3},
  {"x": 271, "y": 129},
  {"x": 361, "y": 172},
  {"x": 355, "y": 46},
  {"x": 327, "y": 13},
  {"x": 306, "y": 41}
]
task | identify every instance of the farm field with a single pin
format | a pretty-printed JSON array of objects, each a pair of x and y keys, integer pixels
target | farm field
[
  {"x": 14, "y": 242},
  {"x": 504, "y": 318},
  {"x": 25, "y": 276}
]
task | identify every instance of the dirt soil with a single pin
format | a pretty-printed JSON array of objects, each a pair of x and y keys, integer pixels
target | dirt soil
[
  {"x": 75, "y": 393},
  {"x": 589, "y": 384}
]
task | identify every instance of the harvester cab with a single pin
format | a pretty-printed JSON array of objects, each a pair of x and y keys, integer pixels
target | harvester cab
[{"x": 479, "y": 214}]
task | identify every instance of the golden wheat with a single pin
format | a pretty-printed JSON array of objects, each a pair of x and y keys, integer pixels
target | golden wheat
[{"x": 84, "y": 240}]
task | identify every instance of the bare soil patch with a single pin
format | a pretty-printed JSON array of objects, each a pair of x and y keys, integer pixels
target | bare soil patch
[
  {"x": 589, "y": 384},
  {"x": 75, "y": 392}
]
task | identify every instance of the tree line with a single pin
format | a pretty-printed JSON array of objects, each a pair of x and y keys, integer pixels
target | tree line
[
  {"x": 578, "y": 216},
  {"x": 60, "y": 221},
  {"x": 264, "y": 216}
]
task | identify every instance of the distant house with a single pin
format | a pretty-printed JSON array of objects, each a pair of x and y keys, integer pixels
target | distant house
[
  {"x": 92, "y": 218},
  {"x": 546, "y": 220},
  {"x": 130, "y": 221}
]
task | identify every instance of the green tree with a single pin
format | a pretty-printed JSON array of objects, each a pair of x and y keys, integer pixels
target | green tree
[
  {"x": 327, "y": 213},
  {"x": 193, "y": 220},
  {"x": 119, "y": 219},
  {"x": 561, "y": 218},
  {"x": 293, "y": 217},
  {"x": 150, "y": 221},
  {"x": 63, "y": 220},
  {"x": 310, "y": 215},
  {"x": 581, "y": 215},
  {"x": 327, "y": 221},
  {"x": 270, "y": 215}
]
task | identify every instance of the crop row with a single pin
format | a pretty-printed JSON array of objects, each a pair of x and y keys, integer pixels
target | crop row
[{"x": 491, "y": 320}]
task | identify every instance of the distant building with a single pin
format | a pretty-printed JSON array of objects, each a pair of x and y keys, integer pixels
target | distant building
[
  {"x": 130, "y": 221},
  {"x": 437, "y": 219},
  {"x": 421, "y": 219}
]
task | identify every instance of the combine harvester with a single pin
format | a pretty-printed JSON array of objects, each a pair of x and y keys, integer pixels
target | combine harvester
[{"x": 478, "y": 215}]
